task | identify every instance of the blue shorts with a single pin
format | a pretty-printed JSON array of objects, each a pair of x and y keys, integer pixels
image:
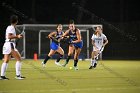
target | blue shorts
[
  {"x": 54, "y": 46},
  {"x": 78, "y": 45}
]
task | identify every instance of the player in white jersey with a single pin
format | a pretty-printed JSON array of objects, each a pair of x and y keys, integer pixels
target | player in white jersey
[
  {"x": 9, "y": 49},
  {"x": 99, "y": 40}
]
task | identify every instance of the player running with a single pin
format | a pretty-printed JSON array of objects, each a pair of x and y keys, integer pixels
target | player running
[
  {"x": 9, "y": 49},
  {"x": 99, "y": 41},
  {"x": 76, "y": 43},
  {"x": 56, "y": 36}
]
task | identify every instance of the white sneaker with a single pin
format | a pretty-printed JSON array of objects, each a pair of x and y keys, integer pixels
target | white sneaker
[
  {"x": 75, "y": 67},
  {"x": 57, "y": 63},
  {"x": 19, "y": 77},
  {"x": 3, "y": 78},
  {"x": 43, "y": 65}
]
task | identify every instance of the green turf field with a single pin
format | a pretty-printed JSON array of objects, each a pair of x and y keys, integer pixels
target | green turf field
[{"x": 108, "y": 77}]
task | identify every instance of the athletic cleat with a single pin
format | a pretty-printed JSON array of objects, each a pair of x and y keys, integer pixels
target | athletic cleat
[
  {"x": 95, "y": 64},
  {"x": 3, "y": 78},
  {"x": 91, "y": 67},
  {"x": 75, "y": 67},
  {"x": 57, "y": 63},
  {"x": 19, "y": 77},
  {"x": 43, "y": 65}
]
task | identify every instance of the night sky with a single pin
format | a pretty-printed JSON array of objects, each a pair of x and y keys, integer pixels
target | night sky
[{"x": 55, "y": 11}]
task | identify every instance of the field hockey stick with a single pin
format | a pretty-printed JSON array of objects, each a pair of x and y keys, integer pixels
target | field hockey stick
[
  {"x": 100, "y": 51},
  {"x": 66, "y": 40},
  {"x": 21, "y": 33}
]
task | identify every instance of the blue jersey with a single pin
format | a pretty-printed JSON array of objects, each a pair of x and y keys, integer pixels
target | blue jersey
[
  {"x": 54, "y": 45},
  {"x": 73, "y": 37},
  {"x": 57, "y": 36}
]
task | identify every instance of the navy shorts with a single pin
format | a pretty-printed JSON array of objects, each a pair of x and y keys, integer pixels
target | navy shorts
[{"x": 78, "y": 45}]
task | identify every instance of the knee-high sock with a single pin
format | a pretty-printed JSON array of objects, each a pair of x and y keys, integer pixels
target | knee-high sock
[
  {"x": 46, "y": 59},
  {"x": 18, "y": 68},
  {"x": 75, "y": 62},
  {"x": 3, "y": 68},
  {"x": 67, "y": 60},
  {"x": 92, "y": 62},
  {"x": 60, "y": 57}
]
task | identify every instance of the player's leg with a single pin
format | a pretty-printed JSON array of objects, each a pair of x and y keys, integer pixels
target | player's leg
[
  {"x": 92, "y": 60},
  {"x": 70, "y": 52},
  {"x": 52, "y": 52},
  {"x": 93, "y": 54},
  {"x": 4, "y": 66},
  {"x": 95, "y": 60},
  {"x": 61, "y": 53},
  {"x": 76, "y": 55},
  {"x": 53, "y": 47},
  {"x": 18, "y": 64}
]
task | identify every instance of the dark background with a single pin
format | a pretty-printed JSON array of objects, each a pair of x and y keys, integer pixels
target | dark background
[{"x": 120, "y": 19}]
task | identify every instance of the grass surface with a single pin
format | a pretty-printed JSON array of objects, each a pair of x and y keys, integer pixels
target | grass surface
[{"x": 108, "y": 77}]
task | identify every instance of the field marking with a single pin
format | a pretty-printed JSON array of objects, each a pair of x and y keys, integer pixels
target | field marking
[
  {"x": 42, "y": 71},
  {"x": 73, "y": 90},
  {"x": 128, "y": 80},
  {"x": 123, "y": 88}
]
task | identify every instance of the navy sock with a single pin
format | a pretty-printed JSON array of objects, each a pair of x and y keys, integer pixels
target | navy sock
[
  {"x": 60, "y": 57},
  {"x": 46, "y": 59},
  {"x": 67, "y": 60},
  {"x": 75, "y": 62}
]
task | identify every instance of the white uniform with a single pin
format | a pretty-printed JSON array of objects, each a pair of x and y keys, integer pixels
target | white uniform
[
  {"x": 98, "y": 41},
  {"x": 9, "y": 43}
]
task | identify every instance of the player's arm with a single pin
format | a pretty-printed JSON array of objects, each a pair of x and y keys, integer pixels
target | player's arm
[
  {"x": 78, "y": 37},
  {"x": 11, "y": 36},
  {"x": 65, "y": 34},
  {"x": 105, "y": 43},
  {"x": 65, "y": 38},
  {"x": 93, "y": 41},
  {"x": 52, "y": 34},
  {"x": 105, "y": 40}
]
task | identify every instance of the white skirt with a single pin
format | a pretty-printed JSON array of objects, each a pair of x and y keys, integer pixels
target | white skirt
[
  {"x": 96, "y": 49},
  {"x": 8, "y": 46}
]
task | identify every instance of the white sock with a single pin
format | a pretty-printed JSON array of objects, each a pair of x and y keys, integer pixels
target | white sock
[
  {"x": 18, "y": 68},
  {"x": 3, "y": 68},
  {"x": 92, "y": 62}
]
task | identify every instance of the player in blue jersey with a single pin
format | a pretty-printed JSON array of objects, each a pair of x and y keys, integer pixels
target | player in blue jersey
[
  {"x": 56, "y": 36},
  {"x": 75, "y": 44}
]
